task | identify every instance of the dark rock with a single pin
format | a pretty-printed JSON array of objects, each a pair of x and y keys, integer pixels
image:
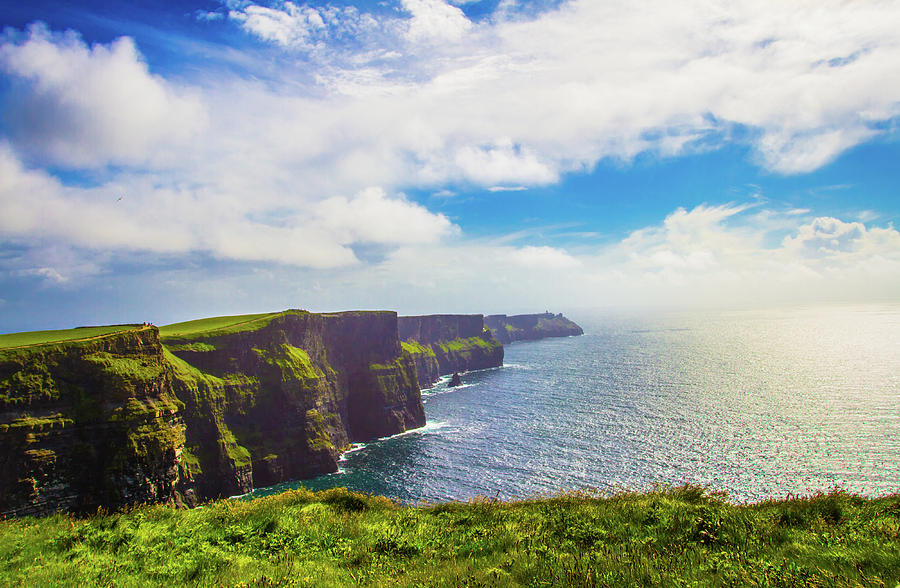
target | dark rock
[
  {"x": 455, "y": 380},
  {"x": 442, "y": 344}
]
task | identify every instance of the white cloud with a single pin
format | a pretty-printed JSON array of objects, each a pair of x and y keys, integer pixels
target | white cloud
[
  {"x": 83, "y": 106},
  {"x": 836, "y": 240},
  {"x": 543, "y": 257},
  {"x": 372, "y": 217},
  {"x": 722, "y": 259},
  {"x": 178, "y": 221},
  {"x": 502, "y": 162},
  {"x": 435, "y": 21},
  {"x": 507, "y": 188},
  {"x": 276, "y": 167},
  {"x": 591, "y": 80},
  {"x": 48, "y": 273},
  {"x": 311, "y": 28},
  {"x": 291, "y": 25}
]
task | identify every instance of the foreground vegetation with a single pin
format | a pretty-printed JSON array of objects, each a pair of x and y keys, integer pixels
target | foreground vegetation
[{"x": 681, "y": 536}]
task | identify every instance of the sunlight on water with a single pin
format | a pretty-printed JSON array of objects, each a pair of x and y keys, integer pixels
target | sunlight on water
[{"x": 759, "y": 404}]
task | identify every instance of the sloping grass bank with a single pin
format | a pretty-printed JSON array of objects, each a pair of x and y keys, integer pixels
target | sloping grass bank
[{"x": 678, "y": 537}]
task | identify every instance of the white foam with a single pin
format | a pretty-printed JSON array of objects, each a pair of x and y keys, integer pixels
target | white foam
[
  {"x": 429, "y": 427},
  {"x": 517, "y": 366},
  {"x": 354, "y": 447}
]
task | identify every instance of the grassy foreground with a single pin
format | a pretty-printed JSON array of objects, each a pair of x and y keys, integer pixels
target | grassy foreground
[{"x": 674, "y": 537}]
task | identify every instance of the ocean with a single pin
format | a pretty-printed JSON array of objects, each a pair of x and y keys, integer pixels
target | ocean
[{"x": 757, "y": 404}]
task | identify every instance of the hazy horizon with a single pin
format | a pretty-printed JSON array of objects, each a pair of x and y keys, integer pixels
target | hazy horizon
[{"x": 163, "y": 162}]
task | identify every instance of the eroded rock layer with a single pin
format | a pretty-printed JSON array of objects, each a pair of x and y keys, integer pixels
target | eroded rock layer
[
  {"x": 198, "y": 413},
  {"x": 442, "y": 344}
]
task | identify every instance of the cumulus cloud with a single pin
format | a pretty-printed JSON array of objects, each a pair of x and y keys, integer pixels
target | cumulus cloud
[
  {"x": 833, "y": 239},
  {"x": 82, "y": 106},
  {"x": 39, "y": 208},
  {"x": 541, "y": 96},
  {"x": 708, "y": 255},
  {"x": 291, "y": 25},
  {"x": 310, "y": 28},
  {"x": 372, "y": 217},
  {"x": 277, "y": 164},
  {"x": 435, "y": 21}
]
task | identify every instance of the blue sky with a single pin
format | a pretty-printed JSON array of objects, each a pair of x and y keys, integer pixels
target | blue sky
[{"x": 161, "y": 161}]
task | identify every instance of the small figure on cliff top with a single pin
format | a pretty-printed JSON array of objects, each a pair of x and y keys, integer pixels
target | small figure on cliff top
[{"x": 455, "y": 380}]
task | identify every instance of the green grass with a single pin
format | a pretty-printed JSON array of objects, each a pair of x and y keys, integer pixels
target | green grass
[
  {"x": 133, "y": 368},
  {"x": 416, "y": 348},
  {"x": 293, "y": 362},
  {"x": 673, "y": 537},
  {"x": 55, "y": 421},
  {"x": 219, "y": 325},
  {"x": 46, "y": 337},
  {"x": 466, "y": 344}
]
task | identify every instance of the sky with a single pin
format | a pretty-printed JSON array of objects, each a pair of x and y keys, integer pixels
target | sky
[{"x": 164, "y": 161}]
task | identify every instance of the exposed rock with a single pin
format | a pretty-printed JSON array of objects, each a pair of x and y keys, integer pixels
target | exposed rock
[
  {"x": 442, "y": 344},
  {"x": 455, "y": 381},
  {"x": 86, "y": 424},
  {"x": 529, "y": 327},
  {"x": 123, "y": 419},
  {"x": 287, "y": 398}
]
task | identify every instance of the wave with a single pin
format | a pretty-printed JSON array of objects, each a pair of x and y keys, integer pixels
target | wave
[
  {"x": 423, "y": 430},
  {"x": 516, "y": 366},
  {"x": 354, "y": 447}
]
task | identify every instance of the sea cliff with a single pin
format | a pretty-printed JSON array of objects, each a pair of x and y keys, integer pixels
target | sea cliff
[
  {"x": 529, "y": 327},
  {"x": 442, "y": 344},
  {"x": 196, "y": 410},
  {"x": 88, "y": 423}
]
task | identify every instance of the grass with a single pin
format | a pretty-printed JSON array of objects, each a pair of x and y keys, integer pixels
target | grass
[
  {"x": 45, "y": 337},
  {"x": 293, "y": 362},
  {"x": 219, "y": 325},
  {"x": 466, "y": 344},
  {"x": 416, "y": 348},
  {"x": 671, "y": 537}
]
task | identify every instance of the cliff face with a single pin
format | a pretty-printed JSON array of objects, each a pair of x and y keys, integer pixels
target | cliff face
[
  {"x": 443, "y": 344},
  {"x": 204, "y": 412},
  {"x": 282, "y": 400},
  {"x": 90, "y": 423},
  {"x": 528, "y": 327}
]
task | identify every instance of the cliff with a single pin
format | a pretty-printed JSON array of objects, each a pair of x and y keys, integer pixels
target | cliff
[
  {"x": 88, "y": 422},
  {"x": 446, "y": 343},
  {"x": 528, "y": 327},
  {"x": 279, "y": 397},
  {"x": 197, "y": 410}
]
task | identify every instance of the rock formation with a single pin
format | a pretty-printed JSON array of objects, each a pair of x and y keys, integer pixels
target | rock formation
[
  {"x": 528, "y": 327},
  {"x": 197, "y": 413},
  {"x": 89, "y": 423},
  {"x": 442, "y": 344}
]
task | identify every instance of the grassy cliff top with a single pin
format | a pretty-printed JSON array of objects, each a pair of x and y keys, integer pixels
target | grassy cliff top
[
  {"x": 49, "y": 337},
  {"x": 220, "y": 325},
  {"x": 676, "y": 537}
]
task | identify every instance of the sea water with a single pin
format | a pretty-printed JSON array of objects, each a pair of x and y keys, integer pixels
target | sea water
[{"x": 758, "y": 404}]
